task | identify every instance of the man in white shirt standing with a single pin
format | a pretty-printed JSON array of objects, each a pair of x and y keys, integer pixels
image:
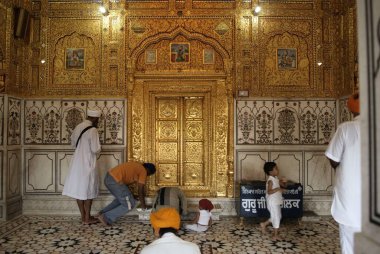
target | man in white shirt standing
[
  {"x": 82, "y": 181},
  {"x": 344, "y": 155},
  {"x": 166, "y": 222}
]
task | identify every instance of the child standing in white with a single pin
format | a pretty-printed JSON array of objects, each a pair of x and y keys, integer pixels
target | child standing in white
[
  {"x": 274, "y": 198},
  {"x": 203, "y": 219}
]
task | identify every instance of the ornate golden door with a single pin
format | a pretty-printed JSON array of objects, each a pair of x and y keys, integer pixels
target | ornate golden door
[{"x": 181, "y": 141}]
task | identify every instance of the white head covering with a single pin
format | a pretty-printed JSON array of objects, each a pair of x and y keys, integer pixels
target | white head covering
[{"x": 93, "y": 113}]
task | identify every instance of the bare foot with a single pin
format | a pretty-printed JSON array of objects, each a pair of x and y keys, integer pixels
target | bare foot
[
  {"x": 263, "y": 228},
  {"x": 276, "y": 238},
  {"x": 102, "y": 220},
  {"x": 90, "y": 221}
]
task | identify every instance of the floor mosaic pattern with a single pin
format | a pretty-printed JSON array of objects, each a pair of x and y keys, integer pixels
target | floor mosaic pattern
[{"x": 65, "y": 234}]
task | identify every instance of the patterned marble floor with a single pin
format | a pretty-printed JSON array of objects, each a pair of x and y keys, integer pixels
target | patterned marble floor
[{"x": 64, "y": 234}]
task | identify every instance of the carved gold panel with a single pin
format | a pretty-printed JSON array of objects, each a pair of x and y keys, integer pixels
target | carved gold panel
[
  {"x": 181, "y": 139},
  {"x": 167, "y": 130},
  {"x": 194, "y": 130},
  {"x": 193, "y": 151},
  {"x": 176, "y": 149},
  {"x": 167, "y": 151},
  {"x": 193, "y": 108},
  {"x": 194, "y": 174},
  {"x": 167, "y": 109},
  {"x": 167, "y": 174}
]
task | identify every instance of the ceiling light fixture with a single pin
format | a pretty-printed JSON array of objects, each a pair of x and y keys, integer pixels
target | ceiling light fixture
[
  {"x": 256, "y": 10},
  {"x": 103, "y": 10}
]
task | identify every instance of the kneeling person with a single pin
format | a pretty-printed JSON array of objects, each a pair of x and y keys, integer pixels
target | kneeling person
[{"x": 116, "y": 181}]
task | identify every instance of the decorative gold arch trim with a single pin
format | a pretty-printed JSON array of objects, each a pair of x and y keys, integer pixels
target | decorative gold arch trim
[{"x": 176, "y": 32}]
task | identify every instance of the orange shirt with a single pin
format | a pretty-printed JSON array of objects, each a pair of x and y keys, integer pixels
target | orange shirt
[{"x": 129, "y": 172}]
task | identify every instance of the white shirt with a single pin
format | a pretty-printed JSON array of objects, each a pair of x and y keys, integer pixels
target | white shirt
[
  {"x": 82, "y": 182},
  {"x": 345, "y": 149},
  {"x": 274, "y": 198},
  {"x": 204, "y": 217},
  {"x": 169, "y": 243}
]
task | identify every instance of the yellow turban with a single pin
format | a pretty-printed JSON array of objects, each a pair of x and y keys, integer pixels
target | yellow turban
[
  {"x": 353, "y": 103},
  {"x": 165, "y": 218}
]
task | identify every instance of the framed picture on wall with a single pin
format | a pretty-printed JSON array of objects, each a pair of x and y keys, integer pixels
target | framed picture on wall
[
  {"x": 286, "y": 58},
  {"x": 179, "y": 52},
  {"x": 74, "y": 58},
  {"x": 151, "y": 56},
  {"x": 208, "y": 56}
]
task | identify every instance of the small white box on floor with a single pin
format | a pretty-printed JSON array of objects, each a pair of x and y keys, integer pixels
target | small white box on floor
[{"x": 144, "y": 214}]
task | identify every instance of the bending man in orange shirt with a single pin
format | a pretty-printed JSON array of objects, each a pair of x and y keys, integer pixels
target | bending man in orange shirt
[{"x": 117, "y": 180}]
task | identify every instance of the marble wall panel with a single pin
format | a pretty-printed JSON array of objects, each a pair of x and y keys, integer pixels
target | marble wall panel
[
  {"x": 308, "y": 122},
  {"x": 310, "y": 168},
  {"x": 290, "y": 122},
  {"x": 326, "y": 121},
  {"x": 112, "y": 122},
  {"x": 33, "y": 122},
  {"x": 13, "y": 182},
  {"x": 40, "y": 171},
  {"x": 1, "y": 119},
  {"x": 290, "y": 164},
  {"x": 263, "y": 122},
  {"x": 73, "y": 113},
  {"x": 250, "y": 165},
  {"x": 63, "y": 164},
  {"x": 344, "y": 113},
  {"x": 14, "y": 208},
  {"x": 286, "y": 122},
  {"x": 106, "y": 160},
  {"x": 319, "y": 176},
  {"x": 52, "y": 121},
  {"x": 14, "y": 121}
]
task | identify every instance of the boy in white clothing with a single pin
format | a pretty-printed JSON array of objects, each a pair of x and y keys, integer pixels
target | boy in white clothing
[
  {"x": 274, "y": 198},
  {"x": 203, "y": 219}
]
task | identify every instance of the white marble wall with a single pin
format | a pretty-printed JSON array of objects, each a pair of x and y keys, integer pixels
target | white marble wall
[
  {"x": 46, "y": 170},
  {"x": 368, "y": 11},
  {"x": 10, "y": 157},
  {"x": 47, "y": 129},
  {"x": 52, "y": 121},
  {"x": 294, "y": 134},
  {"x": 290, "y": 122}
]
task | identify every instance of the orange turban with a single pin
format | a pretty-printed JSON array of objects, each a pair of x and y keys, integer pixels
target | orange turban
[
  {"x": 206, "y": 204},
  {"x": 165, "y": 218},
  {"x": 353, "y": 103}
]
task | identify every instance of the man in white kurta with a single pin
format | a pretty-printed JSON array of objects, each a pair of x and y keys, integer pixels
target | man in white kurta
[
  {"x": 344, "y": 155},
  {"x": 82, "y": 182}
]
